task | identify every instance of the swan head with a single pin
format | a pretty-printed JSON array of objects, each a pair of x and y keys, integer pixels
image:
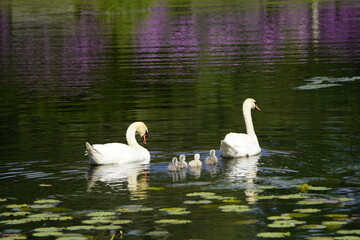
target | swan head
[
  {"x": 175, "y": 161},
  {"x": 212, "y": 152},
  {"x": 141, "y": 129},
  {"x": 182, "y": 157},
  {"x": 197, "y": 156},
  {"x": 251, "y": 103}
]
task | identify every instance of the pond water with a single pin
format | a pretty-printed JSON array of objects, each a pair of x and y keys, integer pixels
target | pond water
[{"x": 74, "y": 71}]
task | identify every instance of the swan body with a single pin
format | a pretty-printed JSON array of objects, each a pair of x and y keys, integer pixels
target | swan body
[
  {"x": 196, "y": 162},
  {"x": 212, "y": 159},
  {"x": 182, "y": 162},
  {"x": 174, "y": 166},
  {"x": 237, "y": 145},
  {"x": 119, "y": 153}
]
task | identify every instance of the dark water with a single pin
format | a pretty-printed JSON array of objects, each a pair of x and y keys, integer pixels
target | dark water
[{"x": 78, "y": 71}]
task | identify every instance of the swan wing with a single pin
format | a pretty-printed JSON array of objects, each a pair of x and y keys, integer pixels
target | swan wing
[
  {"x": 239, "y": 145},
  {"x": 114, "y": 153}
]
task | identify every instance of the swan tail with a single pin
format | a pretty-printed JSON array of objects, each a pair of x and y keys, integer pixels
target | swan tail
[
  {"x": 228, "y": 150},
  {"x": 93, "y": 154}
]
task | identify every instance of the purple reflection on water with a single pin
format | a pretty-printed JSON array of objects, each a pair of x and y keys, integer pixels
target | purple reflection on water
[
  {"x": 256, "y": 35},
  {"x": 49, "y": 55}
]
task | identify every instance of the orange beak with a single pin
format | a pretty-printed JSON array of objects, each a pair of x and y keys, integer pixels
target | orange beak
[
  {"x": 257, "y": 108},
  {"x": 144, "y": 138}
]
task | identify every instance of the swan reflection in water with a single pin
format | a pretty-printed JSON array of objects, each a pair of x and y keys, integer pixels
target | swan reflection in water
[
  {"x": 135, "y": 175},
  {"x": 245, "y": 170}
]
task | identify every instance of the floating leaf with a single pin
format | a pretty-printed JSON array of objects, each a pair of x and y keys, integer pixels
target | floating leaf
[
  {"x": 47, "y": 234},
  {"x": 200, "y": 194},
  {"x": 353, "y": 231},
  {"x": 121, "y": 221},
  {"x": 100, "y": 214},
  {"x": 14, "y": 214},
  {"x": 268, "y": 187},
  {"x": 175, "y": 211},
  {"x": 307, "y": 210},
  {"x": 47, "y": 201},
  {"x": 298, "y": 215},
  {"x": 293, "y": 196},
  {"x": 44, "y": 185},
  {"x": 263, "y": 197},
  {"x": 155, "y": 188},
  {"x": 250, "y": 221},
  {"x": 3, "y": 199},
  {"x": 334, "y": 224},
  {"x": 273, "y": 234},
  {"x": 347, "y": 238},
  {"x": 198, "y": 202},
  {"x": 285, "y": 223},
  {"x": 336, "y": 215},
  {"x": 173, "y": 221},
  {"x": 17, "y": 206},
  {"x": 318, "y": 188},
  {"x": 232, "y": 200},
  {"x": 158, "y": 233},
  {"x": 108, "y": 227},
  {"x": 73, "y": 238},
  {"x": 312, "y": 226},
  {"x": 80, "y": 227},
  {"x": 320, "y": 238},
  {"x": 16, "y": 221},
  {"x": 345, "y": 199},
  {"x": 307, "y": 202},
  {"x": 279, "y": 218},
  {"x": 97, "y": 221},
  {"x": 47, "y": 229},
  {"x": 235, "y": 208},
  {"x": 127, "y": 210},
  {"x": 41, "y": 206}
]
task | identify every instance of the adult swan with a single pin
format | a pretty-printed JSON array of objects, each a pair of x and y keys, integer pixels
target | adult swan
[
  {"x": 240, "y": 144},
  {"x": 119, "y": 153}
]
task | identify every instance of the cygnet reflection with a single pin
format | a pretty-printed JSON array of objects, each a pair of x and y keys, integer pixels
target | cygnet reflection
[{"x": 133, "y": 175}]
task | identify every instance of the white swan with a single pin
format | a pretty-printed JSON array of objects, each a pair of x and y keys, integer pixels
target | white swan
[
  {"x": 196, "y": 162},
  {"x": 119, "y": 153},
  {"x": 240, "y": 144},
  {"x": 212, "y": 159}
]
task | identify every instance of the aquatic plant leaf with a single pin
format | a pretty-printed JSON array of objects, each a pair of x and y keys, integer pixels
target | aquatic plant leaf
[
  {"x": 307, "y": 210},
  {"x": 337, "y": 215},
  {"x": 306, "y": 202},
  {"x": 347, "y": 238},
  {"x": 285, "y": 223},
  {"x": 243, "y": 222},
  {"x": 47, "y": 201},
  {"x": 334, "y": 224},
  {"x": 44, "y": 185},
  {"x": 268, "y": 187},
  {"x": 16, "y": 221},
  {"x": 299, "y": 215},
  {"x": 318, "y": 188},
  {"x": 235, "y": 208},
  {"x": 312, "y": 226},
  {"x": 279, "y": 218},
  {"x": 173, "y": 221},
  {"x": 80, "y": 227},
  {"x": 199, "y": 202},
  {"x": 127, "y": 210},
  {"x": 3, "y": 199},
  {"x": 175, "y": 211},
  {"x": 304, "y": 188},
  {"x": 121, "y": 221},
  {"x": 293, "y": 196},
  {"x": 345, "y": 199},
  {"x": 353, "y": 231},
  {"x": 47, "y": 229},
  {"x": 263, "y": 197},
  {"x": 320, "y": 238},
  {"x": 155, "y": 188},
  {"x": 47, "y": 234},
  {"x": 41, "y": 206},
  {"x": 200, "y": 194},
  {"x": 14, "y": 237},
  {"x": 273, "y": 234},
  {"x": 108, "y": 227},
  {"x": 97, "y": 221},
  {"x": 158, "y": 233},
  {"x": 17, "y": 206},
  {"x": 232, "y": 200},
  {"x": 100, "y": 214},
  {"x": 72, "y": 238},
  {"x": 14, "y": 214}
]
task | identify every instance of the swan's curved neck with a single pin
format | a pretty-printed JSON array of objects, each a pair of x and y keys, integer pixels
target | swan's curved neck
[
  {"x": 130, "y": 137},
  {"x": 249, "y": 123}
]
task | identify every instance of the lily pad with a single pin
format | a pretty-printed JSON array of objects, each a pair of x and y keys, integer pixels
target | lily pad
[
  {"x": 333, "y": 223},
  {"x": 47, "y": 234},
  {"x": 306, "y": 202},
  {"x": 14, "y": 214},
  {"x": 173, "y": 221},
  {"x": 97, "y": 221},
  {"x": 47, "y": 229},
  {"x": 264, "y": 197},
  {"x": 199, "y": 202},
  {"x": 17, "y": 206},
  {"x": 158, "y": 233},
  {"x": 80, "y": 227},
  {"x": 3, "y": 199},
  {"x": 47, "y": 201},
  {"x": 279, "y": 218},
  {"x": 299, "y": 215},
  {"x": 268, "y": 187},
  {"x": 337, "y": 215},
  {"x": 353, "y": 231},
  {"x": 293, "y": 196},
  {"x": 231, "y": 200},
  {"x": 345, "y": 199},
  {"x": 307, "y": 210},
  {"x": 312, "y": 226},
  {"x": 235, "y": 208},
  {"x": 100, "y": 214},
  {"x": 41, "y": 206},
  {"x": 175, "y": 211},
  {"x": 72, "y": 238},
  {"x": 155, "y": 188},
  {"x": 200, "y": 194},
  {"x": 273, "y": 234},
  {"x": 285, "y": 223},
  {"x": 121, "y": 222},
  {"x": 108, "y": 227},
  {"x": 127, "y": 210}
]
